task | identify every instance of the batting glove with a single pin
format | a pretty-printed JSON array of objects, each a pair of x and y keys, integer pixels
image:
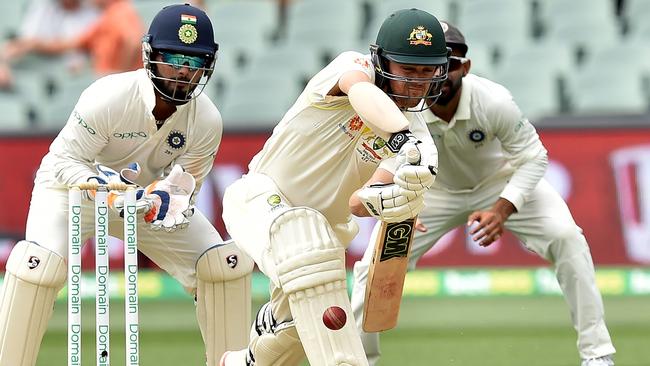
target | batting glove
[
  {"x": 418, "y": 163},
  {"x": 390, "y": 202},
  {"x": 170, "y": 200}
]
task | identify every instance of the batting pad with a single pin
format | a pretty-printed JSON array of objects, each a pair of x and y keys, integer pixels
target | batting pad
[
  {"x": 223, "y": 299},
  {"x": 310, "y": 263},
  {"x": 274, "y": 344},
  {"x": 34, "y": 276}
]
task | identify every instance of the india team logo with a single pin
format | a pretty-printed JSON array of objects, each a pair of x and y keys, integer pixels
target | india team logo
[
  {"x": 176, "y": 140},
  {"x": 476, "y": 135},
  {"x": 420, "y": 36},
  {"x": 187, "y": 33},
  {"x": 631, "y": 167}
]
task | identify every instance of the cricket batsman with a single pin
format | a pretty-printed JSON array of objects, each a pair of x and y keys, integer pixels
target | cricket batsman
[
  {"x": 494, "y": 163},
  {"x": 152, "y": 127},
  {"x": 291, "y": 212}
]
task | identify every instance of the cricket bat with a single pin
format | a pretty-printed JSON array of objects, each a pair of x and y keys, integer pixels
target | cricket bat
[
  {"x": 386, "y": 275},
  {"x": 388, "y": 269}
]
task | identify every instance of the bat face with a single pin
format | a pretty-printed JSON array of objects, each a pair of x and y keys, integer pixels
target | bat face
[{"x": 386, "y": 275}]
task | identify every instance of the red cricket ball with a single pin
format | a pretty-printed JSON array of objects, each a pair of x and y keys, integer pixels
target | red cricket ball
[{"x": 334, "y": 317}]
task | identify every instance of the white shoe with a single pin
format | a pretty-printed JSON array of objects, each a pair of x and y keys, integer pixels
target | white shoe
[
  {"x": 599, "y": 361},
  {"x": 234, "y": 358}
]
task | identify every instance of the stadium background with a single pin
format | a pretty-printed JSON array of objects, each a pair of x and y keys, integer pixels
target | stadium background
[{"x": 579, "y": 68}]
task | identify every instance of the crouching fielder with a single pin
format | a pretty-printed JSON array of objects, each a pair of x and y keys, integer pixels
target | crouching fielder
[{"x": 291, "y": 212}]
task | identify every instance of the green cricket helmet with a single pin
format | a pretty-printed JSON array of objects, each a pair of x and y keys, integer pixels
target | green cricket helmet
[{"x": 415, "y": 37}]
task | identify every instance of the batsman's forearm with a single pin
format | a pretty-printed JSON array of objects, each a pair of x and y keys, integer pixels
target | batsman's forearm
[
  {"x": 377, "y": 110},
  {"x": 356, "y": 207}
]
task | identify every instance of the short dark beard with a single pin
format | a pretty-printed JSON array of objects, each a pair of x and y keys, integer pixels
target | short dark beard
[{"x": 454, "y": 87}]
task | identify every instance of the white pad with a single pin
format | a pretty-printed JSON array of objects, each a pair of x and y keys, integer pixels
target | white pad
[
  {"x": 274, "y": 344},
  {"x": 310, "y": 263},
  {"x": 223, "y": 299},
  {"x": 34, "y": 277}
]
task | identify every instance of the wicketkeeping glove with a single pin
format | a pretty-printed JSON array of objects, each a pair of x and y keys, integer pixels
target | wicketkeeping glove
[
  {"x": 128, "y": 175},
  {"x": 415, "y": 174},
  {"x": 390, "y": 202},
  {"x": 170, "y": 199}
]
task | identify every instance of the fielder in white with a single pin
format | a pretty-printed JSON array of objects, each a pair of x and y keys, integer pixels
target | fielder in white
[
  {"x": 491, "y": 168},
  {"x": 290, "y": 212},
  {"x": 155, "y": 127}
]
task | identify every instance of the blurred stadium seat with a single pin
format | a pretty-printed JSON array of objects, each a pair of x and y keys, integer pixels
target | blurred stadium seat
[
  {"x": 12, "y": 15},
  {"x": 584, "y": 24},
  {"x": 636, "y": 12},
  {"x": 258, "y": 99},
  {"x": 568, "y": 41},
  {"x": 303, "y": 62},
  {"x": 328, "y": 25},
  {"x": 556, "y": 59},
  {"x": 553, "y": 12},
  {"x": 482, "y": 56},
  {"x": 53, "y": 113},
  {"x": 147, "y": 9},
  {"x": 15, "y": 113},
  {"x": 250, "y": 17},
  {"x": 242, "y": 28},
  {"x": 640, "y": 32},
  {"x": 536, "y": 92},
  {"x": 585, "y": 35},
  {"x": 598, "y": 90},
  {"x": 380, "y": 9},
  {"x": 498, "y": 23}
]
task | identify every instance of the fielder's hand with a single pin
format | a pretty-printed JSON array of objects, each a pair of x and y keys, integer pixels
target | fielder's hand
[
  {"x": 390, "y": 202},
  {"x": 416, "y": 174},
  {"x": 170, "y": 200}
]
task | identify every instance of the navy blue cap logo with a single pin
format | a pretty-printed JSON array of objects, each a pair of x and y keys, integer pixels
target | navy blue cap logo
[{"x": 176, "y": 140}]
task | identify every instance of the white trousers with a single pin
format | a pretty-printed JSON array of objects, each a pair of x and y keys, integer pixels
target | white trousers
[
  {"x": 250, "y": 206},
  {"x": 176, "y": 253},
  {"x": 544, "y": 225}
]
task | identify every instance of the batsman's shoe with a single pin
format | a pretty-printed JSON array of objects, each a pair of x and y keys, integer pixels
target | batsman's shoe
[
  {"x": 234, "y": 358},
  {"x": 599, "y": 361}
]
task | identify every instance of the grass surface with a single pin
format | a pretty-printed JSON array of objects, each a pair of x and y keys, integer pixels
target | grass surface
[{"x": 517, "y": 331}]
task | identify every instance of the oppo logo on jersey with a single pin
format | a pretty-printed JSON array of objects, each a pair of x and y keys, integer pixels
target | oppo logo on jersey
[
  {"x": 82, "y": 123},
  {"x": 130, "y": 135}
]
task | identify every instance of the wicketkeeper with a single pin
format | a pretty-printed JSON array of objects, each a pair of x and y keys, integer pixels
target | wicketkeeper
[
  {"x": 151, "y": 127},
  {"x": 290, "y": 213}
]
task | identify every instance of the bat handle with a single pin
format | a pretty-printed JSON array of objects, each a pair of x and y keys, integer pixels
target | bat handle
[{"x": 413, "y": 155}]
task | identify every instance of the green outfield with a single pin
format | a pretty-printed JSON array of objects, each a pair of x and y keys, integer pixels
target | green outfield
[{"x": 467, "y": 331}]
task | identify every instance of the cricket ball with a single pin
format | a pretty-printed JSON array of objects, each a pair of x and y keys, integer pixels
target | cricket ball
[{"x": 334, "y": 317}]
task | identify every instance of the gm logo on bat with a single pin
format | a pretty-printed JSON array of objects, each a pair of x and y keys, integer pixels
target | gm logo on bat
[{"x": 397, "y": 240}]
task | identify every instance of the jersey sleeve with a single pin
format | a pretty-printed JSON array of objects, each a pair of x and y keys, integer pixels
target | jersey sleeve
[
  {"x": 85, "y": 134},
  {"x": 206, "y": 138},
  {"x": 523, "y": 148},
  {"x": 327, "y": 78}
]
